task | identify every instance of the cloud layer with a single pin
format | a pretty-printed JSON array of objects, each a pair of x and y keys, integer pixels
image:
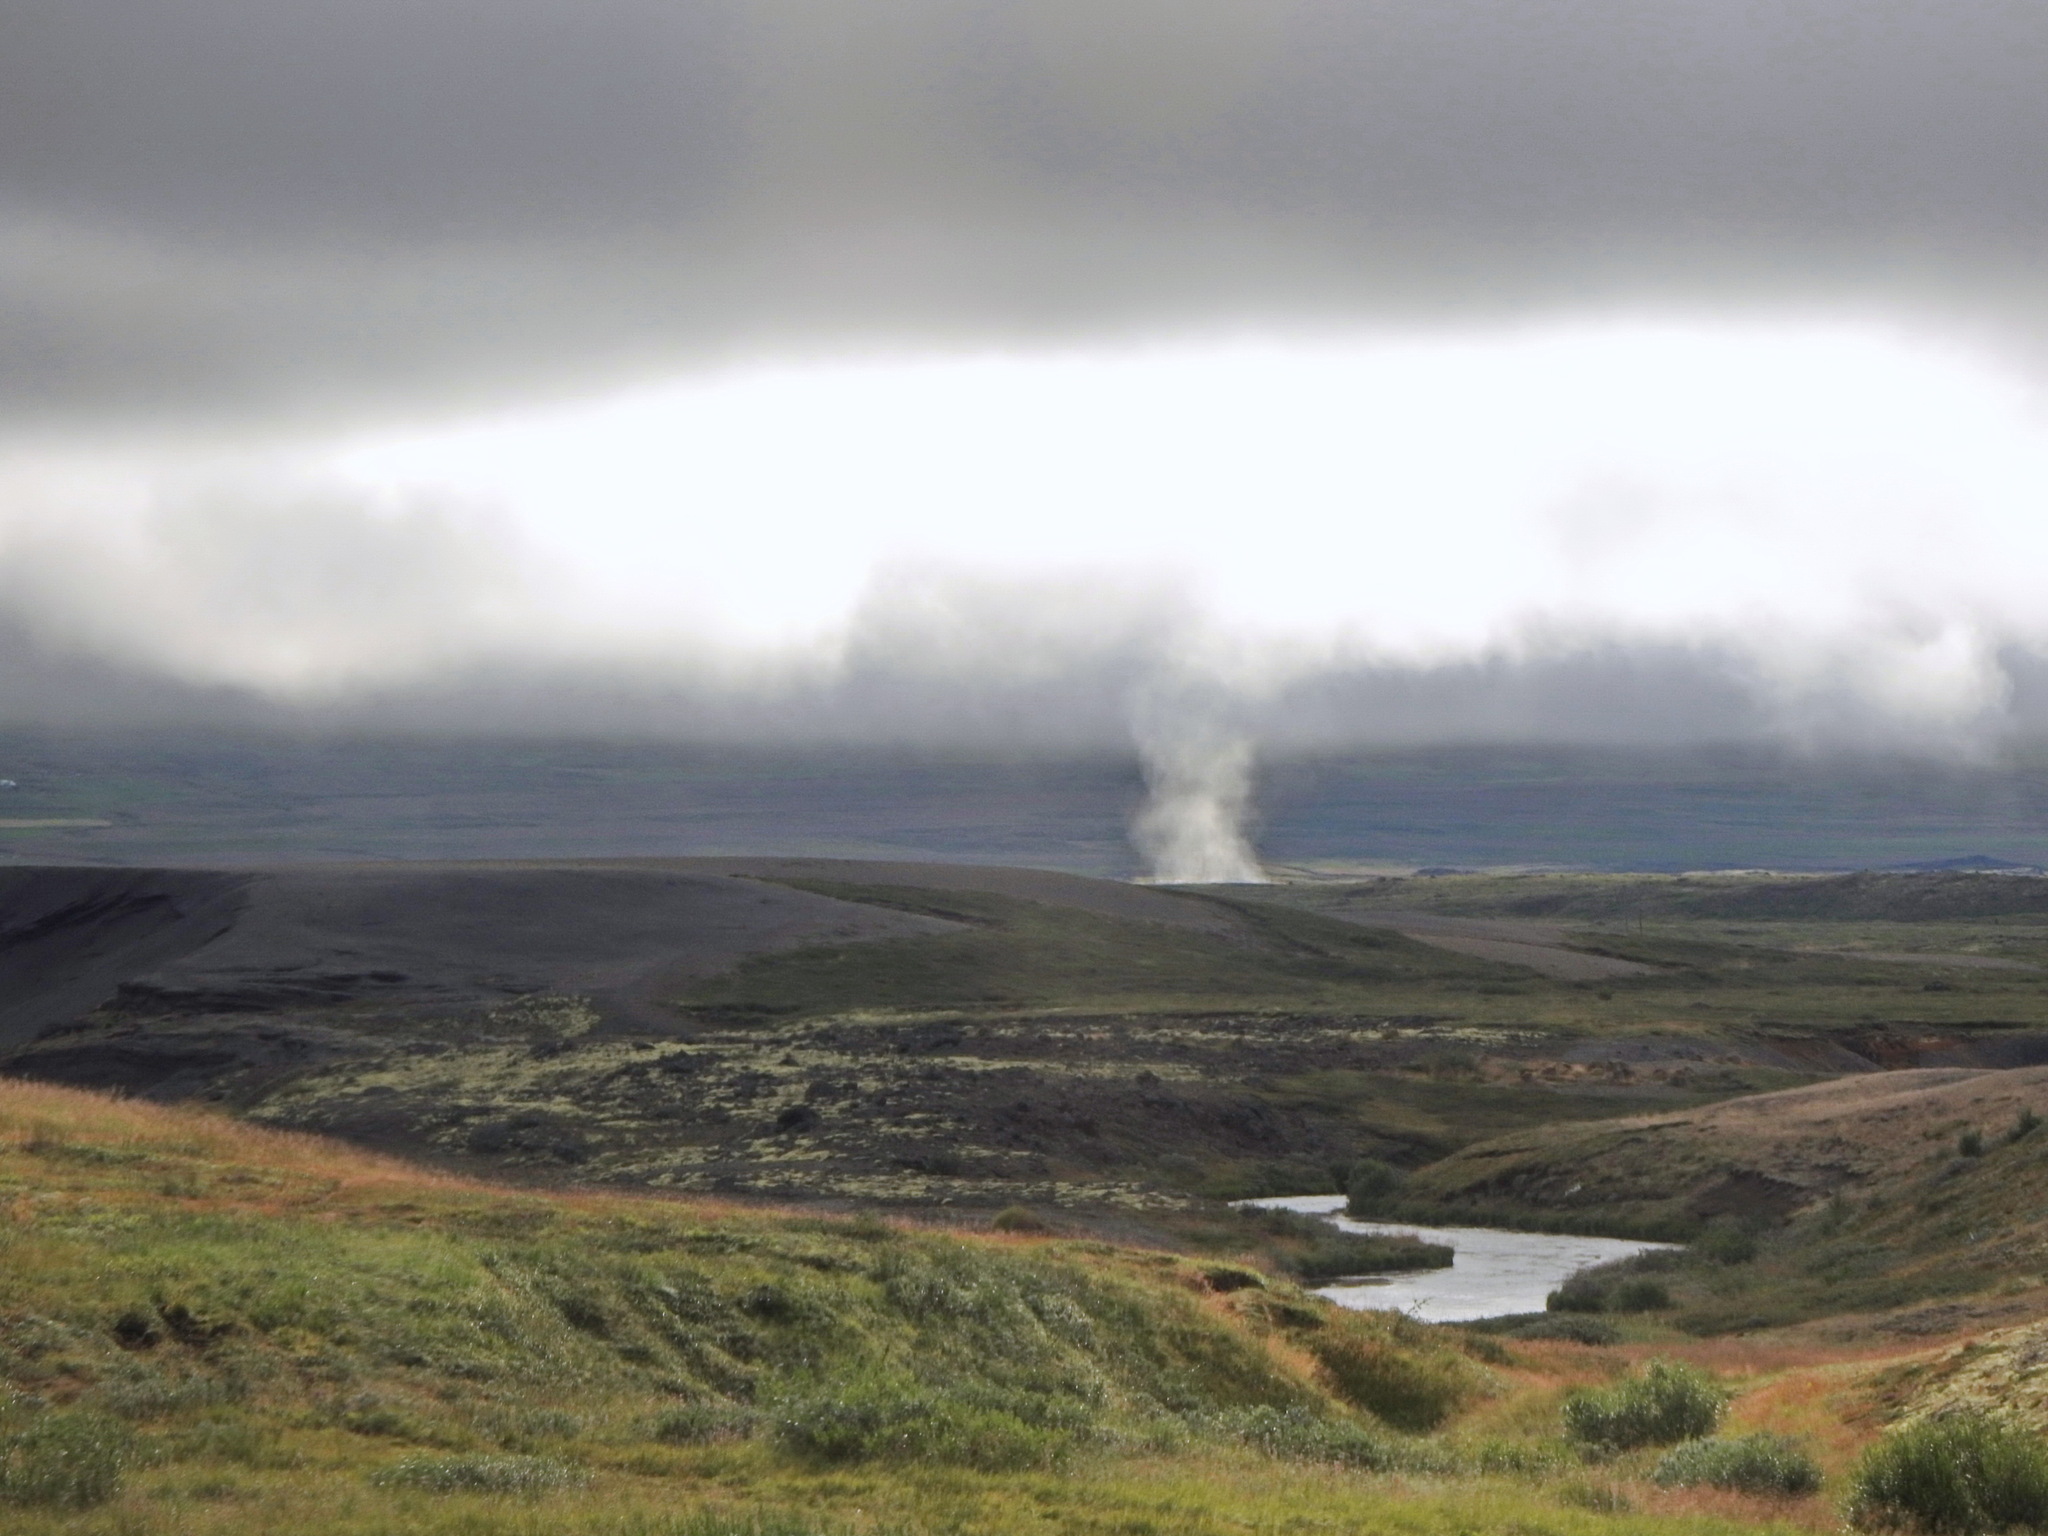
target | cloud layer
[{"x": 231, "y": 207}]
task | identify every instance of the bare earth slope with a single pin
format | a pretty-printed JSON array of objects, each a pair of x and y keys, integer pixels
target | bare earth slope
[{"x": 416, "y": 934}]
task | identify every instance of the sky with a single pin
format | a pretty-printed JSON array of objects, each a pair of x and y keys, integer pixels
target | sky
[{"x": 1214, "y": 377}]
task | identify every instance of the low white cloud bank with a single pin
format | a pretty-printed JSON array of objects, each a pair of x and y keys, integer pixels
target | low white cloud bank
[
  {"x": 1822, "y": 534},
  {"x": 1855, "y": 509}
]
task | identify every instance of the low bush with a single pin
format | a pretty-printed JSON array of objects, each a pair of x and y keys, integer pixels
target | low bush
[
  {"x": 73, "y": 1459},
  {"x": 1295, "y": 1434},
  {"x": 1762, "y": 1464},
  {"x": 879, "y": 1419},
  {"x": 480, "y": 1474},
  {"x": 1019, "y": 1218},
  {"x": 1725, "y": 1242},
  {"x": 1332, "y": 1257},
  {"x": 1583, "y": 1292},
  {"x": 1666, "y": 1404},
  {"x": 1408, "y": 1389},
  {"x": 1641, "y": 1294},
  {"x": 1620, "y": 1285},
  {"x": 1955, "y": 1475},
  {"x": 1230, "y": 1277},
  {"x": 1971, "y": 1143},
  {"x": 2024, "y": 1124},
  {"x": 1551, "y": 1325},
  {"x": 1372, "y": 1187}
]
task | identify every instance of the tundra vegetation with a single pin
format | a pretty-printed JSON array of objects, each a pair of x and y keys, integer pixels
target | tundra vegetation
[{"x": 1001, "y": 1291}]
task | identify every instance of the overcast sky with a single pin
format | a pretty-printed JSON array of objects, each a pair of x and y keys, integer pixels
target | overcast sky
[{"x": 995, "y": 370}]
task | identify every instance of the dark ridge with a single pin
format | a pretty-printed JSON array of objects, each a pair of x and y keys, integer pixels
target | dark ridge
[
  {"x": 1928, "y": 896},
  {"x": 70, "y": 937}
]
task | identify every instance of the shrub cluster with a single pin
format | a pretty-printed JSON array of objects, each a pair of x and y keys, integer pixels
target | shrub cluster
[
  {"x": 74, "y": 1459},
  {"x": 479, "y": 1474},
  {"x": 1372, "y": 1186},
  {"x": 1763, "y": 1464},
  {"x": 1295, "y": 1434},
  {"x": 879, "y": 1417},
  {"x": 1621, "y": 1286},
  {"x": 1955, "y": 1475},
  {"x": 1346, "y": 1253},
  {"x": 1725, "y": 1242},
  {"x": 1666, "y": 1404}
]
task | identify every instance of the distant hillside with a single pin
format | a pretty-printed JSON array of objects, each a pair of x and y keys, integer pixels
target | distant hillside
[{"x": 1868, "y": 1193}]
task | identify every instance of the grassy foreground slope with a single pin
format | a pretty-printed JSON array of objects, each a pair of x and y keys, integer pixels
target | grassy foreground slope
[{"x": 273, "y": 1332}]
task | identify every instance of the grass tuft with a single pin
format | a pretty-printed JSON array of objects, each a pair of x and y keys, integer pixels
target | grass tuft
[
  {"x": 530, "y": 1475},
  {"x": 71, "y": 1459}
]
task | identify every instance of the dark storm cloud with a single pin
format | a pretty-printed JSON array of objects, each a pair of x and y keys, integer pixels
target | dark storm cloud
[{"x": 227, "y": 206}]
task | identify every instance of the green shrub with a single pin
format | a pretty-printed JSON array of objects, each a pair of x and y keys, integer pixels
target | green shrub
[
  {"x": 1574, "y": 1329},
  {"x": 1957, "y": 1475},
  {"x": 880, "y": 1419},
  {"x": 480, "y": 1474},
  {"x": 1295, "y": 1434},
  {"x": 2024, "y": 1124},
  {"x": 1664, "y": 1405},
  {"x": 1583, "y": 1292},
  {"x": 1372, "y": 1186},
  {"x": 1765, "y": 1464},
  {"x": 73, "y": 1459},
  {"x": 1230, "y": 1277},
  {"x": 1971, "y": 1143},
  {"x": 1019, "y": 1218},
  {"x": 1405, "y": 1388},
  {"x": 1344, "y": 1253},
  {"x": 1639, "y": 1295},
  {"x": 1725, "y": 1242}
]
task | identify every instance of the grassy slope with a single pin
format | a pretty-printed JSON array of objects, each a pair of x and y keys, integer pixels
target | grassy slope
[
  {"x": 278, "y": 1318},
  {"x": 1737, "y": 956},
  {"x": 1029, "y": 954},
  {"x": 1857, "y": 1194}
]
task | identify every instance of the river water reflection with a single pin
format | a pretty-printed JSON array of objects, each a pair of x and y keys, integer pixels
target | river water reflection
[{"x": 1495, "y": 1271}]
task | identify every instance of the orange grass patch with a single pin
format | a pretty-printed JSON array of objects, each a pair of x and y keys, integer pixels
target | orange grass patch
[{"x": 1815, "y": 1512}]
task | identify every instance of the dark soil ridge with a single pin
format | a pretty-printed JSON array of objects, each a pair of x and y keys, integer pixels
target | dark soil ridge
[{"x": 170, "y": 942}]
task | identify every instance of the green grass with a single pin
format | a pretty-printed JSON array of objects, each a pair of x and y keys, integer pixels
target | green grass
[{"x": 212, "y": 1330}]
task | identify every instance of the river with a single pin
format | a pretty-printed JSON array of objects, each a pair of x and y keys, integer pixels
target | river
[{"x": 1495, "y": 1272}]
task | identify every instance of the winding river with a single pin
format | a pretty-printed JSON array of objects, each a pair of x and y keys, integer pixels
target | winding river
[{"x": 1495, "y": 1272}]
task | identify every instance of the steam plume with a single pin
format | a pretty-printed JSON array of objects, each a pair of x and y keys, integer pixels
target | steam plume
[{"x": 1198, "y": 775}]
